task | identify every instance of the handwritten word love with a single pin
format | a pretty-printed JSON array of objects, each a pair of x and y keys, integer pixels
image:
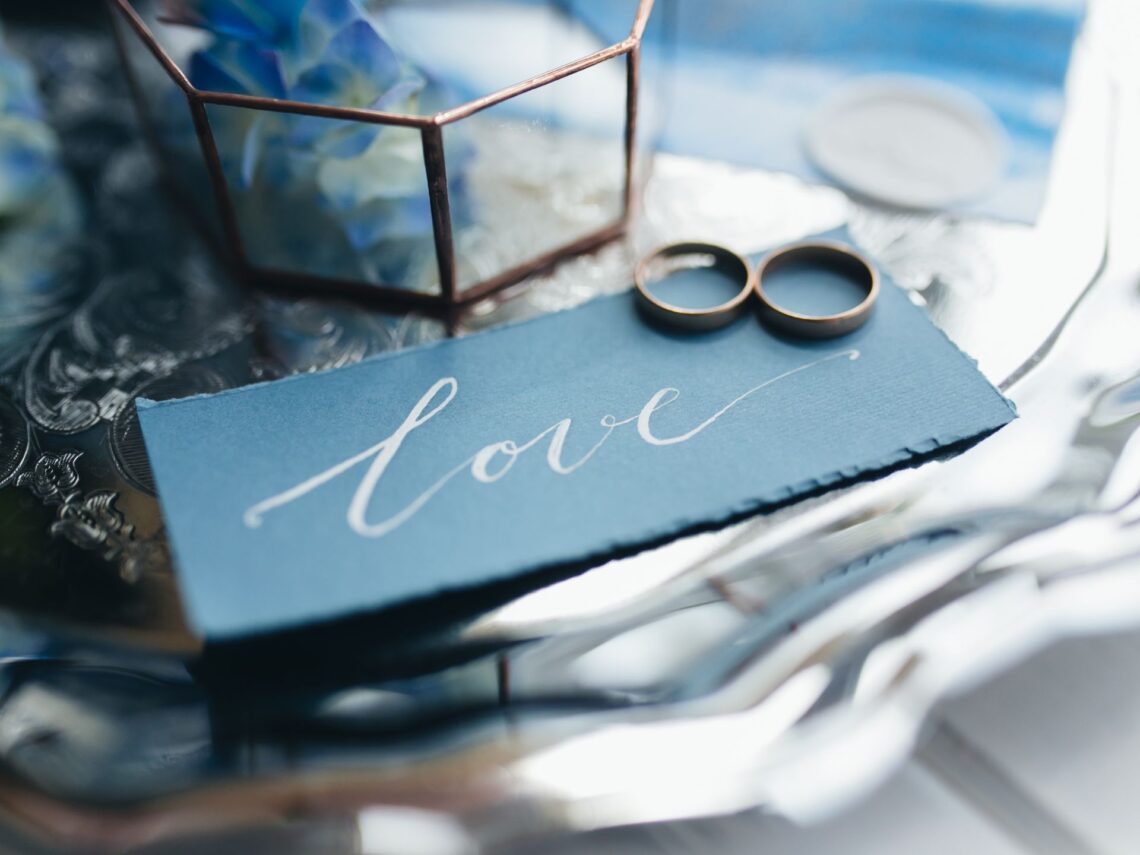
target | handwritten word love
[{"x": 492, "y": 462}]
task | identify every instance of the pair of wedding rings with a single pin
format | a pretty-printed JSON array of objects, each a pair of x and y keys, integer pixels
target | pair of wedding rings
[{"x": 826, "y": 255}]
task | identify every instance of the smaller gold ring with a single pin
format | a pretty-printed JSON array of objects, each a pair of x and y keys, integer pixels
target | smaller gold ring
[
  {"x": 823, "y": 254},
  {"x": 696, "y": 319}
]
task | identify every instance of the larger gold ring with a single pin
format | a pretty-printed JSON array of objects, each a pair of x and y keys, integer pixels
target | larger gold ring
[
  {"x": 819, "y": 254},
  {"x": 697, "y": 319}
]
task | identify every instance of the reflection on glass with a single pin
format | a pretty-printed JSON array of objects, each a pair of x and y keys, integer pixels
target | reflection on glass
[
  {"x": 543, "y": 170},
  {"x": 328, "y": 197},
  {"x": 477, "y": 47}
]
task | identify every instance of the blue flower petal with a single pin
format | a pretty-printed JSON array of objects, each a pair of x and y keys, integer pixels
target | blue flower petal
[
  {"x": 360, "y": 47},
  {"x": 396, "y": 99},
  {"x": 18, "y": 95},
  {"x": 269, "y": 22},
  {"x": 240, "y": 68},
  {"x": 227, "y": 21},
  {"x": 364, "y": 184},
  {"x": 28, "y": 156},
  {"x": 350, "y": 141},
  {"x": 326, "y": 84},
  {"x": 252, "y": 148},
  {"x": 330, "y": 137},
  {"x": 208, "y": 71},
  {"x": 39, "y": 207},
  {"x": 388, "y": 219},
  {"x": 331, "y": 14}
]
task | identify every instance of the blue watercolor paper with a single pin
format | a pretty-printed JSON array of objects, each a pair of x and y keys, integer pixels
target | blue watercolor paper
[
  {"x": 263, "y": 543},
  {"x": 745, "y": 76}
]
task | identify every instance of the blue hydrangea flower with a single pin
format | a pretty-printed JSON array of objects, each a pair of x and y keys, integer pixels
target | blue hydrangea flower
[
  {"x": 28, "y": 148},
  {"x": 271, "y": 24},
  {"x": 365, "y": 183},
  {"x": 39, "y": 209}
]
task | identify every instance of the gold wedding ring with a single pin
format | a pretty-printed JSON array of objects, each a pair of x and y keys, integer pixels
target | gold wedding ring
[
  {"x": 710, "y": 318},
  {"x": 819, "y": 254}
]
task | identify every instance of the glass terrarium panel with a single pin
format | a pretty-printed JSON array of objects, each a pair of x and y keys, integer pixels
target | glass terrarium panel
[
  {"x": 470, "y": 48},
  {"x": 537, "y": 172},
  {"x": 401, "y": 56},
  {"x": 166, "y": 119},
  {"x": 331, "y": 198}
]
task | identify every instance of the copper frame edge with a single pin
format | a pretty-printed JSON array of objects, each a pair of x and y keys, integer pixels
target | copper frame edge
[
  {"x": 284, "y": 105},
  {"x": 435, "y": 165},
  {"x": 563, "y": 71},
  {"x": 320, "y": 111},
  {"x": 222, "y": 197},
  {"x": 641, "y": 20},
  {"x": 632, "y": 97},
  {"x": 382, "y": 297},
  {"x": 542, "y": 263},
  {"x": 433, "y": 305},
  {"x": 127, "y": 9}
]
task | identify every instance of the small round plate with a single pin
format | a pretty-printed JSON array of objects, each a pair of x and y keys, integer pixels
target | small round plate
[{"x": 908, "y": 141}]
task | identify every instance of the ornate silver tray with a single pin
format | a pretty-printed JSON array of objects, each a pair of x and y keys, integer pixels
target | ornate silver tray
[{"x": 786, "y": 663}]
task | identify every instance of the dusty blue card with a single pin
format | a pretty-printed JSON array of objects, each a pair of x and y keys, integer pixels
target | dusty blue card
[{"x": 549, "y": 442}]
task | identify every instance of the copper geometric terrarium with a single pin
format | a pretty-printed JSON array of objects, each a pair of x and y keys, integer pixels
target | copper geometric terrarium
[{"x": 473, "y": 167}]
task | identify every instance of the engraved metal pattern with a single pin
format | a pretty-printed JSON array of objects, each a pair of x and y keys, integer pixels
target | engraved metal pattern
[
  {"x": 125, "y": 436},
  {"x": 15, "y": 439},
  {"x": 132, "y": 330},
  {"x": 91, "y": 521}
]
